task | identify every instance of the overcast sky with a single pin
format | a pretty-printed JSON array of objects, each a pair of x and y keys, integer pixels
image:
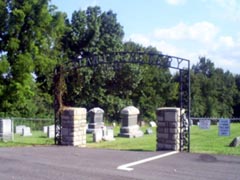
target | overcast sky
[{"x": 184, "y": 28}]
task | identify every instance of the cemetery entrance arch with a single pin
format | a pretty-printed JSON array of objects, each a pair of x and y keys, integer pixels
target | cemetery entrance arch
[{"x": 115, "y": 61}]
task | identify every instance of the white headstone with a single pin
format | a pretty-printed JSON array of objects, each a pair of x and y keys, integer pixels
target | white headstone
[
  {"x": 45, "y": 129},
  {"x": 109, "y": 136},
  {"x": 51, "y": 131},
  {"x": 19, "y": 129},
  {"x": 149, "y": 131},
  {"x": 6, "y": 130},
  {"x": 97, "y": 135},
  {"x": 26, "y": 131},
  {"x": 152, "y": 124}
]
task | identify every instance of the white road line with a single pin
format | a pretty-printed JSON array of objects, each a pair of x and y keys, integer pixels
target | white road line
[{"x": 126, "y": 167}]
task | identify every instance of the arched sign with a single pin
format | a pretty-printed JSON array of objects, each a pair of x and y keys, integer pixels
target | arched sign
[{"x": 116, "y": 60}]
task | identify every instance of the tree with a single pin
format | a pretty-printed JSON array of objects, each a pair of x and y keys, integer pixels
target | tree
[
  {"x": 26, "y": 40},
  {"x": 213, "y": 90}
]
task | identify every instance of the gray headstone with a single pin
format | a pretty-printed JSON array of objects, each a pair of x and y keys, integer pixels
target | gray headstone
[
  {"x": 129, "y": 118},
  {"x": 95, "y": 117},
  {"x": 235, "y": 142}
]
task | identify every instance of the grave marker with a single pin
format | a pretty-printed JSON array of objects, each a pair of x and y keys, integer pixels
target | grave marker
[
  {"x": 26, "y": 131},
  {"x": 95, "y": 116},
  {"x": 204, "y": 124},
  {"x": 6, "y": 130},
  {"x": 51, "y": 131},
  {"x": 129, "y": 117},
  {"x": 19, "y": 129},
  {"x": 224, "y": 127}
]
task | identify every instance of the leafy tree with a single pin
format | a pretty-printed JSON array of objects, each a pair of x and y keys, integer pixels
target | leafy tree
[
  {"x": 213, "y": 90},
  {"x": 26, "y": 41}
]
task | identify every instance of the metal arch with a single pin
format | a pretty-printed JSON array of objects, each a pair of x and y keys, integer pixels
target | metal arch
[
  {"x": 142, "y": 58},
  {"x": 115, "y": 59}
]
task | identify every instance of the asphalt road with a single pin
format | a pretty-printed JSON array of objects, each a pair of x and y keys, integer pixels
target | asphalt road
[{"x": 66, "y": 163}]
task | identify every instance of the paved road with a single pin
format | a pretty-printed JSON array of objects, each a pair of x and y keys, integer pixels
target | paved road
[{"x": 66, "y": 163}]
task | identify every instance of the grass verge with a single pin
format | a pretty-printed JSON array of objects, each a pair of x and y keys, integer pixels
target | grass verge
[
  {"x": 37, "y": 138},
  {"x": 208, "y": 141},
  {"x": 202, "y": 141},
  {"x": 145, "y": 143}
]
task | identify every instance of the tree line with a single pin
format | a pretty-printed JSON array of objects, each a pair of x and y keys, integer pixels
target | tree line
[{"x": 35, "y": 38}]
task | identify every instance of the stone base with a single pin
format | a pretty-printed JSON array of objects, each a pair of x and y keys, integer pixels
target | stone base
[{"x": 130, "y": 132}]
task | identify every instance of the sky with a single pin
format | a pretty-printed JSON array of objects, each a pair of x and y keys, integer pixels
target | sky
[{"x": 185, "y": 28}]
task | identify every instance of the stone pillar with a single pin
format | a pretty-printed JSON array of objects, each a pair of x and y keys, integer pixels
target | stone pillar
[
  {"x": 6, "y": 130},
  {"x": 95, "y": 116},
  {"x": 168, "y": 129},
  {"x": 129, "y": 117},
  {"x": 74, "y": 126}
]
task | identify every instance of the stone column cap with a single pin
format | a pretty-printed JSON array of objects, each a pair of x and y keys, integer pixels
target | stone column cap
[
  {"x": 96, "y": 110},
  {"x": 171, "y": 109},
  {"x": 130, "y": 110},
  {"x": 74, "y": 111}
]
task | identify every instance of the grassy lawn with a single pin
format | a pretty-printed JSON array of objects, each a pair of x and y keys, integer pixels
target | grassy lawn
[
  {"x": 145, "y": 143},
  {"x": 37, "y": 138},
  {"x": 202, "y": 141},
  {"x": 208, "y": 141}
]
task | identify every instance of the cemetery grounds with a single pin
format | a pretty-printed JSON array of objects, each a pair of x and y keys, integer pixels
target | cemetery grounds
[{"x": 202, "y": 140}]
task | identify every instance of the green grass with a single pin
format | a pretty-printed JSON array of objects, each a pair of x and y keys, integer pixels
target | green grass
[
  {"x": 37, "y": 138},
  {"x": 202, "y": 141},
  {"x": 208, "y": 141},
  {"x": 145, "y": 143}
]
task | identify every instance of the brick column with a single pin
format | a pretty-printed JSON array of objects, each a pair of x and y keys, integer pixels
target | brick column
[
  {"x": 74, "y": 126},
  {"x": 168, "y": 129}
]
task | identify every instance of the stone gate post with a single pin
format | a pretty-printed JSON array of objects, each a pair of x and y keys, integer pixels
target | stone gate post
[
  {"x": 168, "y": 129},
  {"x": 74, "y": 126}
]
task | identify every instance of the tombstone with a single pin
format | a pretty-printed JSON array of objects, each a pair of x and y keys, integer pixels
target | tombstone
[
  {"x": 51, "y": 131},
  {"x": 129, "y": 118},
  {"x": 6, "y": 130},
  {"x": 149, "y": 131},
  {"x": 152, "y": 124},
  {"x": 26, "y": 131},
  {"x": 235, "y": 142},
  {"x": 97, "y": 135},
  {"x": 19, "y": 129},
  {"x": 45, "y": 129},
  {"x": 109, "y": 136},
  {"x": 95, "y": 116}
]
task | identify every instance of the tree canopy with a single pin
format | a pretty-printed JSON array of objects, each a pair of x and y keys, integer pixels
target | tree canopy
[{"x": 35, "y": 38}]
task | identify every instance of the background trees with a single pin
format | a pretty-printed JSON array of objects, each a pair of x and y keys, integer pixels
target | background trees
[{"x": 35, "y": 37}]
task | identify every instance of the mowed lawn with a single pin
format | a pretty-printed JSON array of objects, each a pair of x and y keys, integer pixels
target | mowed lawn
[
  {"x": 202, "y": 141},
  {"x": 208, "y": 141},
  {"x": 37, "y": 138}
]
